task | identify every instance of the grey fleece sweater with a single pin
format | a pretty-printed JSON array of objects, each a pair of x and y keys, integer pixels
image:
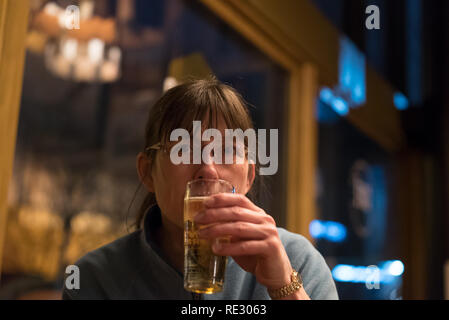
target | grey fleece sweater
[{"x": 132, "y": 267}]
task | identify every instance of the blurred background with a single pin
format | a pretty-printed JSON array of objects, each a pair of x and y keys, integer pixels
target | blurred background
[{"x": 357, "y": 89}]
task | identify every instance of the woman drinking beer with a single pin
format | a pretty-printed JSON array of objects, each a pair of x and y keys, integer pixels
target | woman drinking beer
[{"x": 264, "y": 261}]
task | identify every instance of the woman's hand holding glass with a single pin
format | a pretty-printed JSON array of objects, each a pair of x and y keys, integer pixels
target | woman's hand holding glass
[{"x": 255, "y": 244}]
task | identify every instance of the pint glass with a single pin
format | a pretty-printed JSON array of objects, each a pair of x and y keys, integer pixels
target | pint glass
[{"x": 203, "y": 270}]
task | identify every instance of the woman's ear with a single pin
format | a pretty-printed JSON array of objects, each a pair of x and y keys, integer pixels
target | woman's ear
[{"x": 144, "y": 171}]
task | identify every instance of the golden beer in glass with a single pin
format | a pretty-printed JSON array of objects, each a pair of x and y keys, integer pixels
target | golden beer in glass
[{"x": 203, "y": 270}]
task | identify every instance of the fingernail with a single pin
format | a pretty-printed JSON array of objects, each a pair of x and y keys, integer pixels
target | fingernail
[{"x": 217, "y": 246}]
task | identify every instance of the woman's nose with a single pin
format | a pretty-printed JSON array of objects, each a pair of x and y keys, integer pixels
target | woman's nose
[{"x": 206, "y": 171}]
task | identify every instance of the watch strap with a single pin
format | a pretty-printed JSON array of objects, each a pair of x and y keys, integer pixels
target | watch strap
[{"x": 292, "y": 287}]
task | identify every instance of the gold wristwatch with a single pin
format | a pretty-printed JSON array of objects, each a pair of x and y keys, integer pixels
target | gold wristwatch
[{"x": 285, "y": 291}]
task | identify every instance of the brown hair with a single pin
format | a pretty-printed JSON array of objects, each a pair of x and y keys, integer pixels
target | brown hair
[{"x": 180, "y": 106}]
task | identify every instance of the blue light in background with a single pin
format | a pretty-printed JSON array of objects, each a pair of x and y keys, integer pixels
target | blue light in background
[
  {"x": 394, "y": 268},
  {"x": 400, "y": 101},
  {"x": 348, "y": 273},
  {"x": 338, "y": 104},
  {"x": 328, "y": 230},
  {"x": 352, "y": 72},
  {"x": 387, "y": 272},
  {"x": 326, "y": 95},
  {"x": 351, "y": 89}
]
